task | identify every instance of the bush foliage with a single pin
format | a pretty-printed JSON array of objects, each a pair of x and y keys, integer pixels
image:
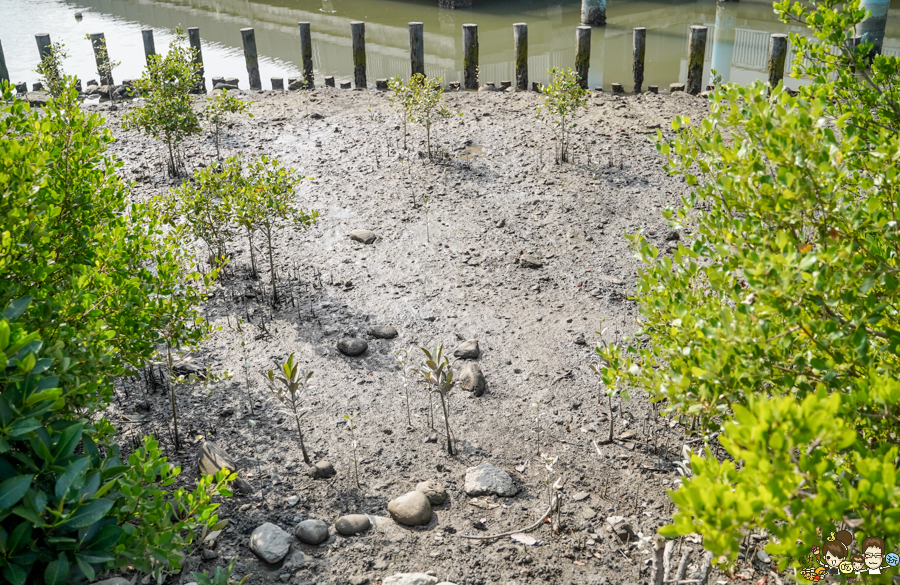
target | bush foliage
[{"x": 776, "y": 323}]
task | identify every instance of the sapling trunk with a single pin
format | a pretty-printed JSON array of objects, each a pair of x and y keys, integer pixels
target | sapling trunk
[
  {"x": 609, "y": 397},
  {"x": 447, "y": 423},
  {"x": 218, "y": 154},
  {"x": 271, "y": 263},
  {"x": 252, "y": 254},
  {"x": 300, "y": 433},
  {"x": 172, "y": 395}
]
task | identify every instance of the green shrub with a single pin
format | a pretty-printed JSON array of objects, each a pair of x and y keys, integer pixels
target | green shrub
[
  {"x": 777, "y": 321},
  {"x": 420, "y": 102},
  {"x": 562, "y": 97},
  {"x": 217, "y": 109},
  {"x": 167, "y": 111}
]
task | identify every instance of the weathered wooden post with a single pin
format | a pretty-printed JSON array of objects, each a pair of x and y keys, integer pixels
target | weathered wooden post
[
  {"x": 639, "y": 48},
  {"x": 149, "y": 44},
  {"x": 582, "y": 54},
  {"x": 194, "y": 40},
  {"x": 777, "y": 53},
  {"x": 520, "y": 37},
  {"x": 358, "y": 35},
  {"x": 43, "y": 44},
  {"x": 4, "y": 72},
  {"x": 306, "y": 54},
  {"x": 329, "y": 81},
  {"x": 593, "y": 12},
  {"x": 470, "y": 56},
  {"x": 696, "y": 57},
  {"x": 101, "y": 56},
  {"x": 249, "y": 38},
  {"x": 872, "y": 28},
  {"x": 417, "y": 47}
]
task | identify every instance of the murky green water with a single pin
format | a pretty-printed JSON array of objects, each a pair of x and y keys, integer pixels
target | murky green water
[{"x": 738, "y": 35}]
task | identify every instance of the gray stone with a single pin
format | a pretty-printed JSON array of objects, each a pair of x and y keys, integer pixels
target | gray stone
[
  {"x": 410, "y": 509},
  {"x": 487, "y": 480},
  {"x": 352, "y": 346},
  {"x": 410, "y": 579},
  {"x": 673, "y": 236},
  {"x": 363, "y": 236},
  {"x": 529, "y": 261},
  {"x": 270, "y": 543},
  {"x": 467, "y": 350},
  {"x": 293, "y": 500},
  {"x": 113, "y": 581},
  {"x": 228, "y": 86},
  {"x": 434, "y": 491},
  {"x": 471, "y": 379},
  {"x": 322, "y": 470},
  {"x": 352, "y": 524},
  {"x": 382, "y": 332},
  {"x": 38, "y": 98},
  {"x": 211, "y": 459},
  {"x": 208, "y": 554},
  {"x": 313, "y": 532},
  {"x": 620, "y": 527}
]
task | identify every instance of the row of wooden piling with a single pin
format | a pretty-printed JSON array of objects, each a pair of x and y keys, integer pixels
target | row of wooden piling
[{"x": 695, "y": 74}]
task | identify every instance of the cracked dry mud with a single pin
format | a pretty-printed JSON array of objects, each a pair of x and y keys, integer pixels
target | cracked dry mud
[{"x": 454, "y": 276}]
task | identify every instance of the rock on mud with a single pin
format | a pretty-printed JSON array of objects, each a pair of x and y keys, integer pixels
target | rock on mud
[
  {"x": 487, "y": 480},
  {"x": 529, "y": 261},
  {"x": 471, "y": 379},
  {"x": 467, "y": 350},
  {"x": 352, "y": 524},
  {"x": 352, "y": 346},
  {"x": 211, "y": 459},
  {"x": 363, "y": 236},
  {"x": 270, "y": 543},
  {"x": 410, "y": 509},
  {"x": 313, "y": 532},
  {"x": 434, "y": 491},
  {"x": 382, "y": 332},
  {"x": 322, "y": 470}
]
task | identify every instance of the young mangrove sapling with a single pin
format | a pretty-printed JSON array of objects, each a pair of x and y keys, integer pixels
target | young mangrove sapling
[{"x": 293, "y": 382}]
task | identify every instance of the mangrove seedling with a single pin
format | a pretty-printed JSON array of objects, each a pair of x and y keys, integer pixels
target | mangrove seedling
[
  {"x": 218, "y": 108},
  {"x": 167, "y": 111},
  {"x": 351, "y": 426},
  {"x": 437, "y": 374},
  {"x": 607, "y": 384},
  {"x": 420, "y": 103},
  {"x": 562, "y": 97},
  {"x": 293, "y": 385}
]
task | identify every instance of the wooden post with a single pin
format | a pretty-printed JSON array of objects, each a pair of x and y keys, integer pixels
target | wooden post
[
  {"x": 417, "y": 48},
  {"x": 470, "y": 56},
  {"x": 777, "y": 53},
  {"x": 306, "y": 54},
  {"x": 639, "y": 48},
  {"x": 520, "y": 37},
  {"x": 358, "y": 34},
  {"x": 696, "y": 57},
  {"x": 101, "y": 56},
  {"x": 249, "y": 38},
  {"x": 43, "y": 44},
  {"x": 582, "y": 54},
  {"x": 149, "y": 44},
  {"x": 593, "y": 12},
  {"x": 4, "y": 72},
  {"x": 329, "y": 81},
  {"x": 194, "y": 40}
]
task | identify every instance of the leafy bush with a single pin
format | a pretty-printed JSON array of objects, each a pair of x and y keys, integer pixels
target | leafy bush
[
  {"x": 50, "y": 69},
  {"x": 88, "y": 282},
  {"x": 777, "y": 324},
  {"x": 562, "y": 97},
  {"x": 420, "y": 102},
  {"x": 167, "y": 111}
]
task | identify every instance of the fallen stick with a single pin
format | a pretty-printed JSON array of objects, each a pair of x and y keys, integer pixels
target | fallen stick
[{"x": 511, "y": 532}]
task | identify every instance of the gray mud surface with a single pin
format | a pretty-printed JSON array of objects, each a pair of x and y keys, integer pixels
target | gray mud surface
[{"x": 451, "y": 274}]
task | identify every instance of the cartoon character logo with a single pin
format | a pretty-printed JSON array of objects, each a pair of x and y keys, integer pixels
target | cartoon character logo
[
  {"x": 835, "y": 548},
  {"x": 873, "y": 550},
  {"x": 893, "y": 559}
]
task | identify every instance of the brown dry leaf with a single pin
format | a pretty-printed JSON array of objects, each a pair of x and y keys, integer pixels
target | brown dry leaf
[{"x": 761, "y": 580}]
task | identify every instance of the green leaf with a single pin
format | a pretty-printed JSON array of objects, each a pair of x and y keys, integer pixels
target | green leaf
[
  {"x": 15, "y": 574},
  {"x": 72, "y": 472},
  {"x": 88, "y": 514},
  {"x": 57, "y": 572},
  {"x": 15, "y": 308},
  {"x": 12, "y": 490}
]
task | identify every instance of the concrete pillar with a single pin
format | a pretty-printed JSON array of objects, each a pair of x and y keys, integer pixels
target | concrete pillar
[
  {"x": 639, "y": 49},
  {"x": 249, "y": 38},
  {"x": 416, "y": 48},
  {"x": 777, "y": 52},
  {"x": 723, "y": 39},
  {"x": 583, "y": 54},
  {"x": 696, "y": 57},
  {"x": 149, "y": 43},
  {"x": 358, "y": 38},
  {"x": 593, "y": 12},
  {"x": 194, "y": 40},
  {"x": 520, "y": 39},
  {"x": 306, "y": 54},
  {"x": 872, "y": 28},
  {"x": 101, "y": 56},
  {"x": 4, "y": 71},
  {"x": 470, "y": 56}
]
